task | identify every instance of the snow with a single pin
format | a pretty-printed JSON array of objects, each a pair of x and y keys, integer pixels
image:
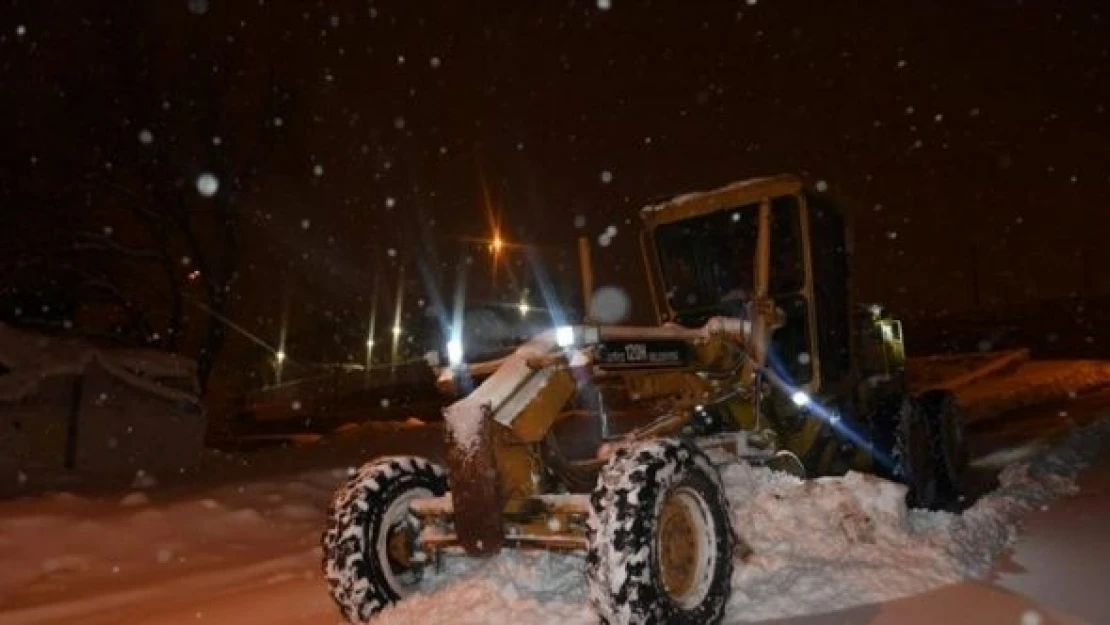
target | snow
[
  {"x": 54, "y": 545},
  {"x": 207, "y": 184},
  {"x": 1062, "y": 543},
  {"x": 237, "y": 553},
  {"x": 1034, "y": 383},
  {"x": 817, "y": 546},
  {"x": 735, "y": 187},
  {"x": 32, "y": 358},
  {"x": 464, "y": 417}
]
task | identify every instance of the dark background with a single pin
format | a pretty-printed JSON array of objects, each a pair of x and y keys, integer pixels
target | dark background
[{"x": 361, "y": 145}]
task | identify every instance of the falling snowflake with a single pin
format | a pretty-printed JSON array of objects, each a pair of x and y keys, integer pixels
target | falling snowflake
[
  {"x": 186, "y": 261},
  {"x": 217, "y": 140},
  {"x": 434, "y": 62},
  {"x": 399, "y": 123},
  {"x": 580, "y": 221},
  {"x": 20, "y": 30},
  {"x": 606, "y": 176},
  {"x": 145, "y": 137},
  {"x": 604, "y": 5},
  {"x": 207, "y": 184},
  {"x": 108, "y": 231},
  {"x": 390, "y": 202},
  {"x": 391, "y": 252},
  {"x": 318, "y": 170},
  {"x": 891, "y": 234},
  {"x": 385, "y": 403},
  {"x": 610, "y": 304},
  {"x": 821, "y": 186},
  {"x": 296, "y": 404},
  {"x": 198, "y": 7},
  {"x": 279, "y": 122},
  {"x": 306, "y": 224}
]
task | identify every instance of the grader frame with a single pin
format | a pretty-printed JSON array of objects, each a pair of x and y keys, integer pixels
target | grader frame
[{"x": 711, "y": 373}]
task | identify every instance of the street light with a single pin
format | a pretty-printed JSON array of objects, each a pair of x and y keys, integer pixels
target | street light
[
  {"x": 523, "y": 307},
  {"x": 280, "y": 356},
  {"x": 396, "y": 330}
]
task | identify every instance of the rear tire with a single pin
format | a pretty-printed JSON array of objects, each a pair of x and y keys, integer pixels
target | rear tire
[
  {"x": 913, "y": 456},
  {"x": 660, "y": 538},
  {"x": 368, "y": 515},
  {"x": 946, "y": 423}
]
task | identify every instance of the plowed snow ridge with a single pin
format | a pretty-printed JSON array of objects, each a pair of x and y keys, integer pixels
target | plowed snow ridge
[{"x": 818, "y": 546}]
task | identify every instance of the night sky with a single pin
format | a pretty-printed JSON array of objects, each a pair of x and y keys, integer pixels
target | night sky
[{"x": 352, "y": 139}]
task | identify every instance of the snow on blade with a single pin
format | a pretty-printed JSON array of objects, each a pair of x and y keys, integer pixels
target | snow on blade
[{"x": 817, "y": 546}]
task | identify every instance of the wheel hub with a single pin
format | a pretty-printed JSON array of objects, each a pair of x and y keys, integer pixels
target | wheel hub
[
  {"x": 397, "y": 545},
  {"x": 683, "y": 547}
]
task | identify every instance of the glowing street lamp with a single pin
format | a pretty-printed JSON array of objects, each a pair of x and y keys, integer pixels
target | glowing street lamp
[
  {"x": 496, "y": 244},
  {"x": 523, "y": 307},
  {"x": 396, "y": 331},
  {"x": 280, "y": 356}
]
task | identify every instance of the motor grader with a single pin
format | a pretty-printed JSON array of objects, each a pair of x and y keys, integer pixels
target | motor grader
[{"x": 606, "y": 439}]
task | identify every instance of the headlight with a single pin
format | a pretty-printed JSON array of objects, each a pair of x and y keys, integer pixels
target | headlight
[
  {"x": 454, "y": 352},
  {"x": 564, "y": 336}
]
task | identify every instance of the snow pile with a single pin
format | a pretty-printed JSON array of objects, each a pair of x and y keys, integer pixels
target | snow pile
[
  {"x": 814, "y": 546},
  {"x": 518, "y": 586},
  {"x": 826, "y": 544},
  {"x": 1034, "y": 383}
]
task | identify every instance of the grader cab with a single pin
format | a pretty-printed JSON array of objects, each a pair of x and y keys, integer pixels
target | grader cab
[{"x": 606, "y": 440}]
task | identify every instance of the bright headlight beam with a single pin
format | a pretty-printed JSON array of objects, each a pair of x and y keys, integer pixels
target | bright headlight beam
[
  {"x": 564, "y": 336},
  {"x": 454, "y": 352},
  {"x": 800, "y": 399}
]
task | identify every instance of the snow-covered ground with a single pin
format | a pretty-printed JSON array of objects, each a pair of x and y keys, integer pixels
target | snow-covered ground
[
  {"x": 838, "y": 550},
  {"x": 247, "y": 553}
]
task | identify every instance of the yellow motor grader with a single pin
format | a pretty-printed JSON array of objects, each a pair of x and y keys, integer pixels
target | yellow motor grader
[{"x": 606, "y": 439}]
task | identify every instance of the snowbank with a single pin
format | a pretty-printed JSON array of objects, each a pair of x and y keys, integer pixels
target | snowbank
[
  {"x": 817, "y": 546},
  {"x": 1034, "y": 383}
]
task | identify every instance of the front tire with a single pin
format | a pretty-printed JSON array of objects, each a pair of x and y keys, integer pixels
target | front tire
[
  {"x": 660, "y": 538},
  {"x": 369, "y": 530}
]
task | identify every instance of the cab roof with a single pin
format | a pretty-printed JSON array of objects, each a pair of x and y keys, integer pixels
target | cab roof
[{"x": 733, "y": 195}]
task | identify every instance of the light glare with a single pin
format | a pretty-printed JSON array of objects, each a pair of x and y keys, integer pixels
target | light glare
[
  {"x": 564, "y": 336},
  {"x": 454, "y": 352}
]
